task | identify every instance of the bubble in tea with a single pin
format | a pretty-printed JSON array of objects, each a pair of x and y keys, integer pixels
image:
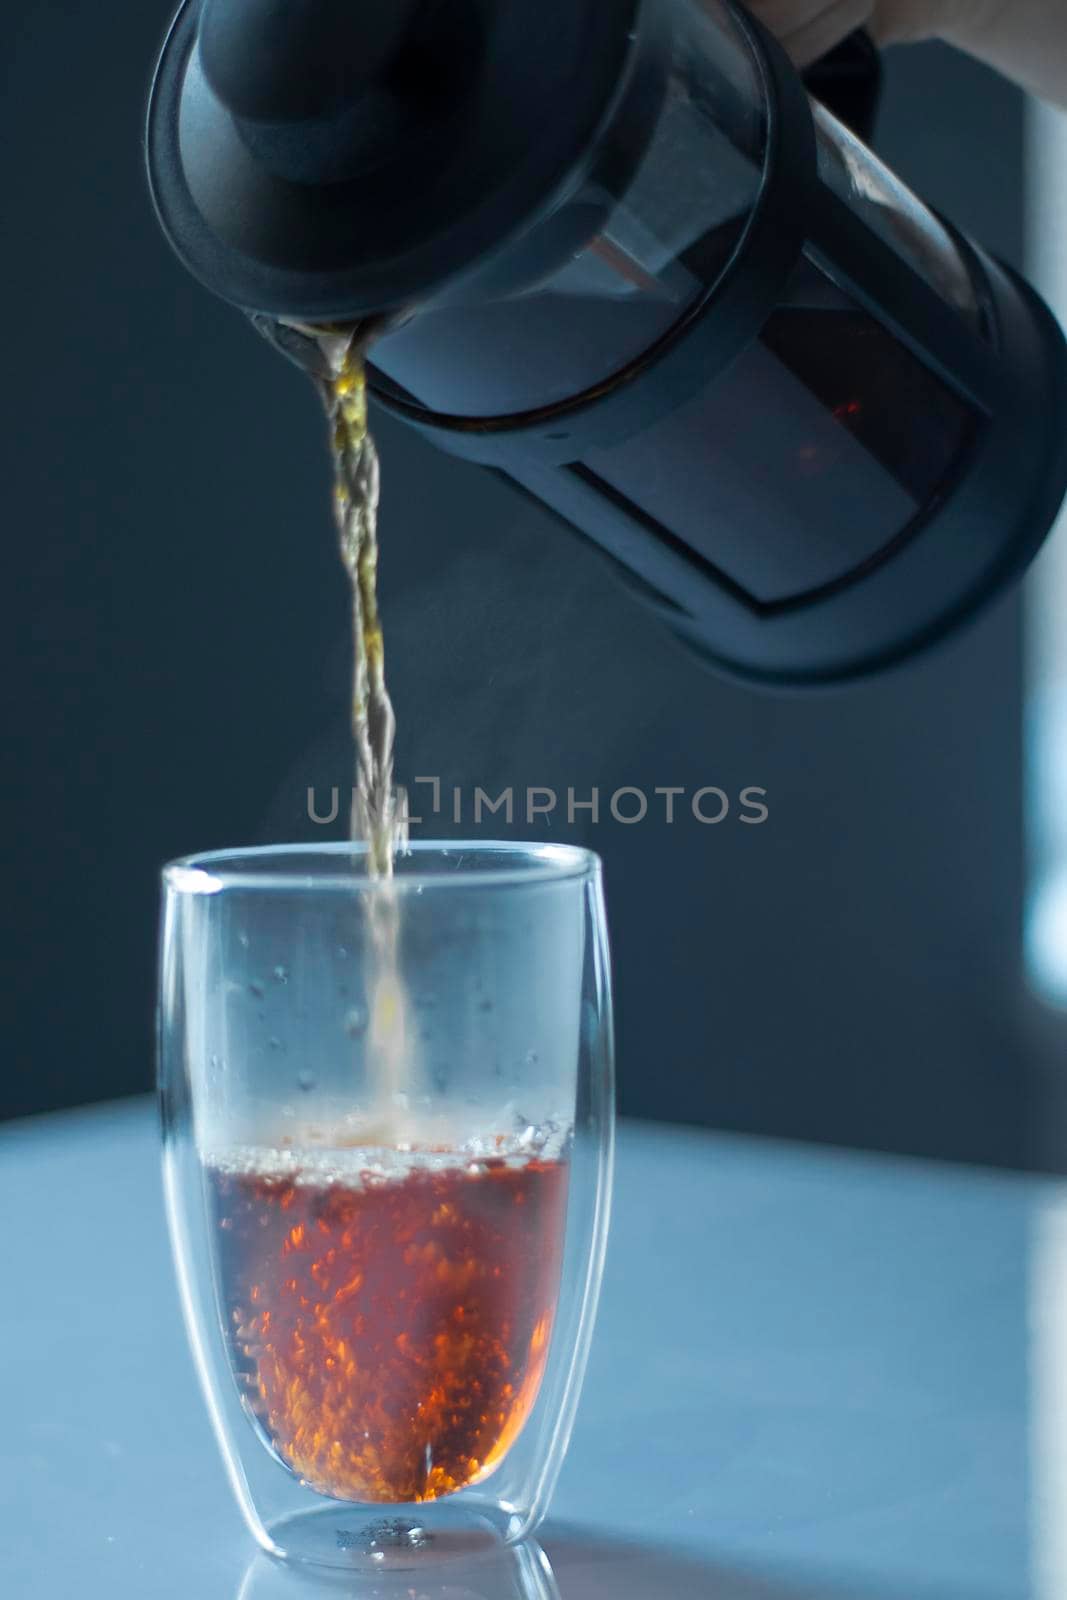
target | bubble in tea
[{"x": 389, "y": 1323}]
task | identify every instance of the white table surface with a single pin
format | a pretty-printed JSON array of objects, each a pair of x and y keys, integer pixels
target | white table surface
[{"x": 816, "y": 1376}]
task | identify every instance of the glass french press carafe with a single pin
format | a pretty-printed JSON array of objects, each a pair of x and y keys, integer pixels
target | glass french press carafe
[{"x": 623, "y": 258}]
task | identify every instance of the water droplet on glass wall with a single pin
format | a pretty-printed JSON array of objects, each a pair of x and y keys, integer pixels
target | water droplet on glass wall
[{"x": 356, "y": 1021}]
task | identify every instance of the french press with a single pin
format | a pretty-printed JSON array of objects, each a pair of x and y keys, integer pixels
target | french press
[{"x": 620, "y": 255}]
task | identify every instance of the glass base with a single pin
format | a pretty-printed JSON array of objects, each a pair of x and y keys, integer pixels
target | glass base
[
  {"x": 360, "y": 1538},
  {"x": 504, "y": 1572}
]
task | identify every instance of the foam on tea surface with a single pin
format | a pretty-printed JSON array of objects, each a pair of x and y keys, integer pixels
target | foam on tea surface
[{"x": 357, "y": 1154}]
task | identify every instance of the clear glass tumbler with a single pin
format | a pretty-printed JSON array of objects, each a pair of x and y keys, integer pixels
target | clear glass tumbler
[{"x": 388, "y": 1128}]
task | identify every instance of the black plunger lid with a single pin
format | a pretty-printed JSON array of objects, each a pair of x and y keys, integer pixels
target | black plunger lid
[{"x": 332, "y": 158}]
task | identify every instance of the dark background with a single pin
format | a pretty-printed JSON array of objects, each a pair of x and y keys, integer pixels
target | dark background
[{"x": 848, "y": 972}]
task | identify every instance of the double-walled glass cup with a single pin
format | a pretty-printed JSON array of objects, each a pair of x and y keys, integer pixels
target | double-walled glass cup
[{"x": 387, "y": 1119}]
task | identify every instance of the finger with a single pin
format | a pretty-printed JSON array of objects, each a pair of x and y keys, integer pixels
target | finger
[
  {"x": 783, "y": 17},
  {"x": 906, "y": 21},
  {"x": 834, "y": 22}
]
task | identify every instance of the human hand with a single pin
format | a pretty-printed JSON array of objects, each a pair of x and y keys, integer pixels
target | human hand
[{"x": 1024, "y": 39}]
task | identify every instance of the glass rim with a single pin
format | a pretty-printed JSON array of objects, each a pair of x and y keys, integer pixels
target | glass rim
[{"x": 260, "y": 867}]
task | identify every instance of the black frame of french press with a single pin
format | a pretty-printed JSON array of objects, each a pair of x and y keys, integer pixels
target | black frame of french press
[
  {"x": 794, "y": 210},
  {"x": 1010, "y": 368},
  {"x": 1007, "y": 366}
]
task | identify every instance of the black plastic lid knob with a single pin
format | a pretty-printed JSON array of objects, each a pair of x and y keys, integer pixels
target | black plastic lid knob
[{"x": 299, "y": 60}]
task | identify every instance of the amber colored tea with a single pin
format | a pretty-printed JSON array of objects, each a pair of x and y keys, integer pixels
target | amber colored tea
[{"x": 390, "y": 1329}]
